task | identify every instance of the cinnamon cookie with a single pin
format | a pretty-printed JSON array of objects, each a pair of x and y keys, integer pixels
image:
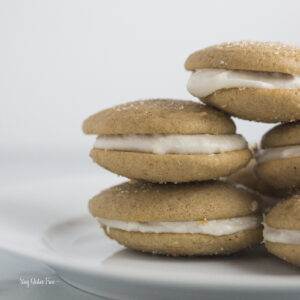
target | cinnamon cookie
[
  {"x": 207, "y": 218},
  {"x": 257, "y": 81},
  {"x": 278, "y": 162},
  {"x": 282, "y": 230},
  {"x": 165, "y": 140}
]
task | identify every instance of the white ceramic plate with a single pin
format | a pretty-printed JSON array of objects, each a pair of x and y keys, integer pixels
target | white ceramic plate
[{"x": 48, "y": 220}]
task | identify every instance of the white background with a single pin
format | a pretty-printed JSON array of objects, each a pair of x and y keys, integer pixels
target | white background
[{"x": 62, "y": 60}]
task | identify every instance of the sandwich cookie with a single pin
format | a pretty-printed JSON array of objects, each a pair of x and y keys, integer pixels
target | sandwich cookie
[
  {"x": 206, "y": 218},
  {"x": 278, "y": 162},
  {"x": 257, "y": 81},
  {"x": 282, "y": 230},
  {"x": 166, "y": 141}
]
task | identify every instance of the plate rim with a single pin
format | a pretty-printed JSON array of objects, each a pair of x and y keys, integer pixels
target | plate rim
[{"x": 71, "y": 264}]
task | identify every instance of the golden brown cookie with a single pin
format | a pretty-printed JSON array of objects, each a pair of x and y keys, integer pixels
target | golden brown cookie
[
  {"x": 165, "y": 116},
  {"x": 278, "y": 162},
  {"x": 165, "y": 140},
  {"x": 282, "y": 135},
  {"x": 247, "y": 55},
  {"x": 267, "y": 79},
  {"x": 261, "y": 105},
  {"x": 170, "y": 167},
  {"x": 186, "y": 244},
  {"x": 282, "y": 230},
  {"x": 180, "y": 219}
]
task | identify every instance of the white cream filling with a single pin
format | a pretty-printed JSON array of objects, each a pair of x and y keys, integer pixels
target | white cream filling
[
  {"x": 275, "y": 153},
  {"x": 204, "y": 82},
  {"x": 212, "y": 227},
  {"x": 284, "y": 236},
  {"x": 172, "y": 143}
]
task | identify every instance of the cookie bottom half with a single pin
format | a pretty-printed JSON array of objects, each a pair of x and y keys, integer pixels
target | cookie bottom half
[
  {"x": 287, "y": 252},
  {"x": 171, "y": 167},
  {"x": 180, "y": 244},
  {"x": 262, "y": 105},
  {"x": 281, "y": 173}
]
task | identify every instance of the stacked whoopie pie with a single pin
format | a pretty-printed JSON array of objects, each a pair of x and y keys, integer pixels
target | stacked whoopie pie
[
  {"x": 260, "y": 81},
  {"x": 171, "y": 149},
  {"x": 175, "y": 153}
]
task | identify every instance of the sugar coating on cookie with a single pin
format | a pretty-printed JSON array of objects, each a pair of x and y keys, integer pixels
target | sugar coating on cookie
[
  {"x": 202, "y": 217},
  {"x": 238, "y": 77},
  {"x": 162, "y": 116},
  {"x": 265, "y": 56},
  {"x": 282, "y": 230},
  {"x": 278, "y": 162},
  {"x": 164, "y": 140}
]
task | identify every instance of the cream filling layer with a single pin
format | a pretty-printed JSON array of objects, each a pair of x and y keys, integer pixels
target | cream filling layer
[
  {"x": 172, "y": 143},
  {"x": 275, "y": 153},
  {"x": 204, "y": 82},
  {"x": 211, "y": 227},
  {"x": 284, "y": 236}
]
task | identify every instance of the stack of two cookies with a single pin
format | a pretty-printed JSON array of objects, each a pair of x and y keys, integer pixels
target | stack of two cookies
[
  {"x": 260, "y": 81},
  {"x": 278, "y": 164},
  {"x": 173, "y": 151},
  {"x": 278, "y": 167}
]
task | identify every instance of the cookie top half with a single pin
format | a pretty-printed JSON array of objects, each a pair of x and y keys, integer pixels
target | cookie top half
[
  {"x": 164, "y": 116},
  {"x": 247, "y": 55},
  {"x": 146, "y": 202},
  {"x": 286, "y": 214},
  {"x": 286, "y": 134}
]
